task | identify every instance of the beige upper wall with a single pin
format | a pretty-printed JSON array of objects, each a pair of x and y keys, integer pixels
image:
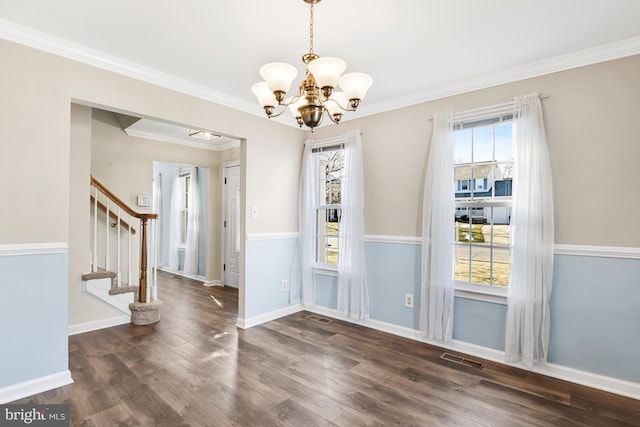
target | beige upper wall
[
  {"x": 37, "y": 92},
  {"x": 591, "y": 119},
  {"x": 592, "y": 125},
  {"x": 83, "y": 307}
]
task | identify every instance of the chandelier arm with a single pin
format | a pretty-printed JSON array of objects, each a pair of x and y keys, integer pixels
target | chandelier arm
[
  {"x": 294, "y": 99},
  {"x": 273, "y": 116},
  {"x": 331, "y": 117},
  {"x": 337, "y": 103},
  {"x": 285, "y": 105}
]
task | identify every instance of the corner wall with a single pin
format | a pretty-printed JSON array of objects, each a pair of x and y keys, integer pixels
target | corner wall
[
  {"x": 591, "y": 116},
  {"x": 38, "y": 90}
]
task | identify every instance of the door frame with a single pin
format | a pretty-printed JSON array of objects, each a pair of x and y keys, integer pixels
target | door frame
[{"x": 223, "y": 211}]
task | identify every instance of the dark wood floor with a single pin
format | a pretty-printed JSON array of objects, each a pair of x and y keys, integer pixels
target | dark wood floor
[{"x": 195, "y": 368}]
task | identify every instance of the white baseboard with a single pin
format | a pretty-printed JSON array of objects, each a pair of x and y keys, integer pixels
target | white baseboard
[
  {"x": 589, "y": 379},
  {"x": 212, "y": 283},
  {"x": 266, "y": 317},
  {"x": 99, "y": 324},
  {"x": 35, "y": 386},
  {"x": 183, "y": 274}
]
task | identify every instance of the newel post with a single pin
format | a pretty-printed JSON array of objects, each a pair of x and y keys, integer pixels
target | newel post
[{"x": 142, "y": 290}]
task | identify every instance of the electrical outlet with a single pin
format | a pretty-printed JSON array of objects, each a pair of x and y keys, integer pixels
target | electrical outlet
[
  {"x": 408, "y": 300},
  {"x": 284, "y": 285}
]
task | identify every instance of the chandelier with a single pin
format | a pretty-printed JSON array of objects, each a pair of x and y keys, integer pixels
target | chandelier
[{"x": 316, "y": 95}]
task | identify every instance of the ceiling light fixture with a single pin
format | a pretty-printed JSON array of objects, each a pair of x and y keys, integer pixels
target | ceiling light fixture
[
  {"x": 316, "y": 94},
  {"x": 202, "y": 134}
]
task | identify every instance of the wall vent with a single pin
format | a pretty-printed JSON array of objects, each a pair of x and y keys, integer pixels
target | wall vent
[
  {"x": 462, "y": 361},
  {"x": 317, "y": 318}
]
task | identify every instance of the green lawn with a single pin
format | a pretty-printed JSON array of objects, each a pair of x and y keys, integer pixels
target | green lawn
[{"x": 481, "y": 254}]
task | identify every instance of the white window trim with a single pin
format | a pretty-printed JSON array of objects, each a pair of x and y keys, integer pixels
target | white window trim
[
  {"x": 325, "y": 269},
  {"x": 477, "y": 292},
  {"x": 333, "y": 144},
  {"x": 182, "y": 174}
]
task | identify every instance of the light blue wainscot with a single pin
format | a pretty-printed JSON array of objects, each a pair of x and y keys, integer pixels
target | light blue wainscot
[
  {"x": 595, "y": 315},
  {"x": 595, "y": 307},
  {"x": 271, "y": 260},
  {"x": 34, "y": 317}
]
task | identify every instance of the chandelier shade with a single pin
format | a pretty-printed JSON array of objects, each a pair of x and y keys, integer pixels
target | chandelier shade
[
  {"x": 317, "y": 93},
  {"x": 278, "y": 76},
  {"x": 355, "y": 85},
  {"x": 327, "y": 71},
  {"x": 264, "y": 94}
]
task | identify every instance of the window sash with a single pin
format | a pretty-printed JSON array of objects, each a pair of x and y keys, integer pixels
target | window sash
[
  {"x": 329, "y": 186},
  {"x": 481, "y": 248}
]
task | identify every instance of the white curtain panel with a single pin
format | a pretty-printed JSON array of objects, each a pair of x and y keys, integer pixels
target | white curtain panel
[
  {"x": 193, "y": 227},
  {"x": 302, "y": 289},
  {"x": 438, "y": 243},
  {"x": 174, "y": 222},
  {"x": 353, "y": 295},
  {"x": 527, "y": 324},
  {"x": 157, "y": 209}
]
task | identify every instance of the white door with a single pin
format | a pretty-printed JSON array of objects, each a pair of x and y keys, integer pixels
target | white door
[{"x": 231, "y": 226}]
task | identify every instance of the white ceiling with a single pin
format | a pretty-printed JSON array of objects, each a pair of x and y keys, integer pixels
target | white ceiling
[{"x": 415, "y": 50}]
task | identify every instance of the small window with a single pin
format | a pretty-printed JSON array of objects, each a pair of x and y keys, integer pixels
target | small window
[
  {"x": 330, "y": 163},
  {"x": 185, "y": 183}
]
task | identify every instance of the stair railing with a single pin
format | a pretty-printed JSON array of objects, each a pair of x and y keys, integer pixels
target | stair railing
[{"x": 119, "y": 216}]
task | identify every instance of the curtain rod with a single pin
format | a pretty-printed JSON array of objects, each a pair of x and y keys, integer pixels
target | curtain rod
[
  {"x": 330, "y": 141},
  {"x": 487, "y": 110}
]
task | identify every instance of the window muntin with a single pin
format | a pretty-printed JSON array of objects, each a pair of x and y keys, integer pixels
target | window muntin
[
  {"x": 330, "y": 164},
  {"x": 483, "y": 173}
]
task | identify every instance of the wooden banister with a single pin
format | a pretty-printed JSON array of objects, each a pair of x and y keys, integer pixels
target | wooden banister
[
  {"x": 119, "y": 202},
  {"x": 143, "y": 217},
  {"x": 113, "y": 216}
]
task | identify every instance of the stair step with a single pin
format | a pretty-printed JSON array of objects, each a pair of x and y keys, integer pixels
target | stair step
[
  {"x": 99, "y": 275},
  {"x": 122, "y": 290}
]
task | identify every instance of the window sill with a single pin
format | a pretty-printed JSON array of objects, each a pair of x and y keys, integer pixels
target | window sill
[
  {"x": 326, "y": 269},
  {"x": 492, "y": 294}
]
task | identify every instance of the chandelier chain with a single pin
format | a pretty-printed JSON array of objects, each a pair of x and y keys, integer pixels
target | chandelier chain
[{"x": 311, "y": 29}]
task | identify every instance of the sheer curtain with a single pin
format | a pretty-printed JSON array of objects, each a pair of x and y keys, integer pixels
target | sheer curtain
[
  {"x": 303, "y": 288},
  {"x": 193, "y": 221},
  {"x": 437, "y": 291},
  {"x": 527, "y": 325},
  {"x": 353, "y": 296},
  {"x": 157, "y": 209},
  {"x": 174, "y": 222}
]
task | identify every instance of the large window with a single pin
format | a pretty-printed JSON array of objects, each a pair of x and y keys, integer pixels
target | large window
[
  {"x": 483, "y": 174},
  {"x": 330, "y": 163}
]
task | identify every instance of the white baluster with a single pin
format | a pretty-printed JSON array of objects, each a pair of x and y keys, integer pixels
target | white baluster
[
  {"x": 154, "y": 264},
  {"x": 118, "y": 254},
  {"x": 129, "y": 273},
  {"x": 94, "y": 264},
  {"x": 107, "y": 256}
]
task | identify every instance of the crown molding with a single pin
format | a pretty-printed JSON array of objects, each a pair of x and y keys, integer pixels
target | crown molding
[
  {"x": 77, "y": 52},
  {"x": 57, "y": 46},
  {"x": 607, "y": 52}
]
